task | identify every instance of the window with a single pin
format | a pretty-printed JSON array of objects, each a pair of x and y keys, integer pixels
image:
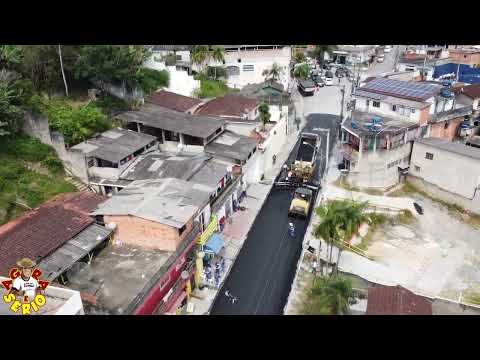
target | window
[
  {"x": 445, "y": 126},
  {"x": 417, "y": 168},
  {"x": 394, "y": 107},
  {"x": 247, "y": 67},
  {"x": 182, "y": 229},
  {"x": 376, "y": 104},
  {"x": 413, "y": 111},
  {"x": 407, "y": 111},
  {"x": 429, "y": 156},
  {"x": 368, "y": 102},
  {"x": 91, "y": 162}
]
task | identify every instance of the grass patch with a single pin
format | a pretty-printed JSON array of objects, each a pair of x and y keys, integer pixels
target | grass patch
[
  {"x": 405, "y": 217},
  {"x": 212, "y": 88},
  {"x": 18, "y": 183},
  {"x": 409, "y": 189},
  {"x": 472, "y": 298},
  {"x": 346, "y": 186}
]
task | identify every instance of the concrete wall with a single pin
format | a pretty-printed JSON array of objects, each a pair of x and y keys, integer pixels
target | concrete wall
[
  {"x": 180, "y": 82},
  {"x": 149, "y": 234},
  {"x": 464, "y": 58},
  {"x": 449, "y": 171},
  {"x": 372, "y": 168},
  {"x": 261, "y": 60},
  {"x": 449, "y": 133},
  {"x": 254, "y": 168},
  {"x": 384, "y": 109}
]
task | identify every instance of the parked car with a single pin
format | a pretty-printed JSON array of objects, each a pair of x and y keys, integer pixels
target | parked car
[
  {"x": 387, "y": 48},
  {"x": 319, "y": 81},
  {"x": 340, "y": 73},
  {"x": 380, "y": 59},
  {"x": 306, "y": 87}
]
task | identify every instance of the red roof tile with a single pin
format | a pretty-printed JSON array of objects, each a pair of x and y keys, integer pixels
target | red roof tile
[
  {"x": 228, "y": 105},
  {"x": 40, "y": 231},
  {"x": 472, "y": 91},
  {"x": 172, "y": 101},
  {"x": 396, "y": 300}
]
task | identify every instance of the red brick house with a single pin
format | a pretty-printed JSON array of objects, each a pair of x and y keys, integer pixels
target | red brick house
[{"x": 231, "y": 107}]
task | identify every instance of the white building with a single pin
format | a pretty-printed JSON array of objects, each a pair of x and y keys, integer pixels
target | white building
[
  {"x": 450, "y": 171},
  {"x": 246, "y": 63}
]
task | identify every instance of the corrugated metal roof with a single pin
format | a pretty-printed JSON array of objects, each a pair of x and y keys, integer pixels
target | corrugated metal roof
[
  {"x": 166, "y": 119},
  {"x": 232, "y": 146},
  {"x": 72, "y": 251},
  {"x": 449, "y": 146}
]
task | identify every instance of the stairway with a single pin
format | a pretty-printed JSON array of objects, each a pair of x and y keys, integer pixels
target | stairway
[{"x": 78, "y": 184}]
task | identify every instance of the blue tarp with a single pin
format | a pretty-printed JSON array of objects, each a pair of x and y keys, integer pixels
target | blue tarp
[{"x": 214, "y": 244}]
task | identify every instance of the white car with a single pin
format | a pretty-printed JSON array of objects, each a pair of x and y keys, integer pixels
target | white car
[
  {"x": 388, "y": 48},
  {"x": 328, "y": 81},
  {"x": 380, "y": 59}
]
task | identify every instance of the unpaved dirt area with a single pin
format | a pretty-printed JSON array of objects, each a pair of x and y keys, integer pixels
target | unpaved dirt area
[{"x": 437, "y": 255}]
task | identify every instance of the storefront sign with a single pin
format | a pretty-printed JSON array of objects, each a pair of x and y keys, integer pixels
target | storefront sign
[{"x": 211, "y": 228}]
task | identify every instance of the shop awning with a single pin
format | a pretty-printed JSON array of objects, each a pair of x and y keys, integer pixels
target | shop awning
[{"x": 214, "y": 244}]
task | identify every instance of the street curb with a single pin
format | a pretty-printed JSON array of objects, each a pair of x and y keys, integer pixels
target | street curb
[{"x": 253, "y": 223}]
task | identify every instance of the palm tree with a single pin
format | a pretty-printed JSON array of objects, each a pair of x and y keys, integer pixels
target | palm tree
[
  {"x": 61, "y": 66},
  {"x": 330, "y": 296},
  {"x": 200, "y": 55},
  {"x": 327, "y": 229},
  {"x": 274, "y": 73},
  {"x": 218, "y": 55},
  {"x": 351, "y": 215},
  {"x": 299, "y": 57},
  {"x": 264, "y": 111}
]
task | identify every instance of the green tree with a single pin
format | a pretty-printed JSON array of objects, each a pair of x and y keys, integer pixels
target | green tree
[
  {"x": 299, "y": 57},
  {"x": 321, "y": 50},
  {"x": 200, "y": 56},
  {"x": 265, "y": 115},
  {"x": 273, "y": 73},
  {"x": 302, "y": 72},
  {"x": 105, "y": 64},
  {"x": 10, "y": 56},
  {"x": 217, "y": 53},
  {"x": 330, "y": 296},
  {"x": 11, "y": 113},
  {"x": 3, "y": 132}
]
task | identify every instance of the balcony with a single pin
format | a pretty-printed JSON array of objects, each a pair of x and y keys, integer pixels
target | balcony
[{"x": 226, "y": 192}]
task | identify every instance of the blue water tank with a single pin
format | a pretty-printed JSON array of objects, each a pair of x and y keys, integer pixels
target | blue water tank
[
  {"x": 447, "y": 83},
  {"x": 377, "y": 120},
  {"x": 447, "y": 93},
  {"x": 354, "y": 125}
]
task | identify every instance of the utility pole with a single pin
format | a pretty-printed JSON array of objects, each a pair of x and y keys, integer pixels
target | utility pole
[{"x": 343, "y": 100}]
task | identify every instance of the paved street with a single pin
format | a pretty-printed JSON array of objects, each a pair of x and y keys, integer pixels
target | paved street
[{"x": 262, "y": 275}]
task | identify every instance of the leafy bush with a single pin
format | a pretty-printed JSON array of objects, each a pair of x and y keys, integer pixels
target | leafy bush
[
  {"x": 212, "y": 88},
  {"x": 111, "y": 104},
  {"x": 151, "y": 80},
  {"x": 26, "y": 148},
  {"x": 53, "y": 164},
  {"x": 76, "y": 125}
]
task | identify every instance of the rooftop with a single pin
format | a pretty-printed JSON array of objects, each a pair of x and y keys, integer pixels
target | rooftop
[
  {"x": 172, "y": 202},
  {"x": 115, "y": 144},
  {"x": 392, "y": 99},
  {"x": 231, "y": 145},
  {"x": 212, "y": 172},
  {"x": 116, "y": 276},
  {"x": 409, "y": 90},
  {"x": 160, "y": 165},
  {"x": 172, "y": 101},
  {"x": 39, "y": 232},
  {"x": 72, "y": 251},
  {"x": 228, "y": 106},
  {"x": 458, "y": 148},
  {"x": 465, "y": 51},
  {"x": 472, "y": 91},
  {"x": 396, "y": 300},
  {"x": 166, "y": 119},
  {"x": 171, "y": 47},
  {"x": 389, "y": 125}
]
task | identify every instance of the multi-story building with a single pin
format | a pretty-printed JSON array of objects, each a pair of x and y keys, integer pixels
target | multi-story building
[
  {"x": 245, "y": 64},
  {"x": 388, "y": 114}
]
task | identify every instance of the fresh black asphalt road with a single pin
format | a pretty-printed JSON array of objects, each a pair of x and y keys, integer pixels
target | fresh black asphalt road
[{"x": 263, "y": 273}]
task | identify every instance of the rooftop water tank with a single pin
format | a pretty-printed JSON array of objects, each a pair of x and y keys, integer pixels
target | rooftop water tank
[
  {"x": 447, "y": 93},
  {"x": 354, "y": 125}
]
